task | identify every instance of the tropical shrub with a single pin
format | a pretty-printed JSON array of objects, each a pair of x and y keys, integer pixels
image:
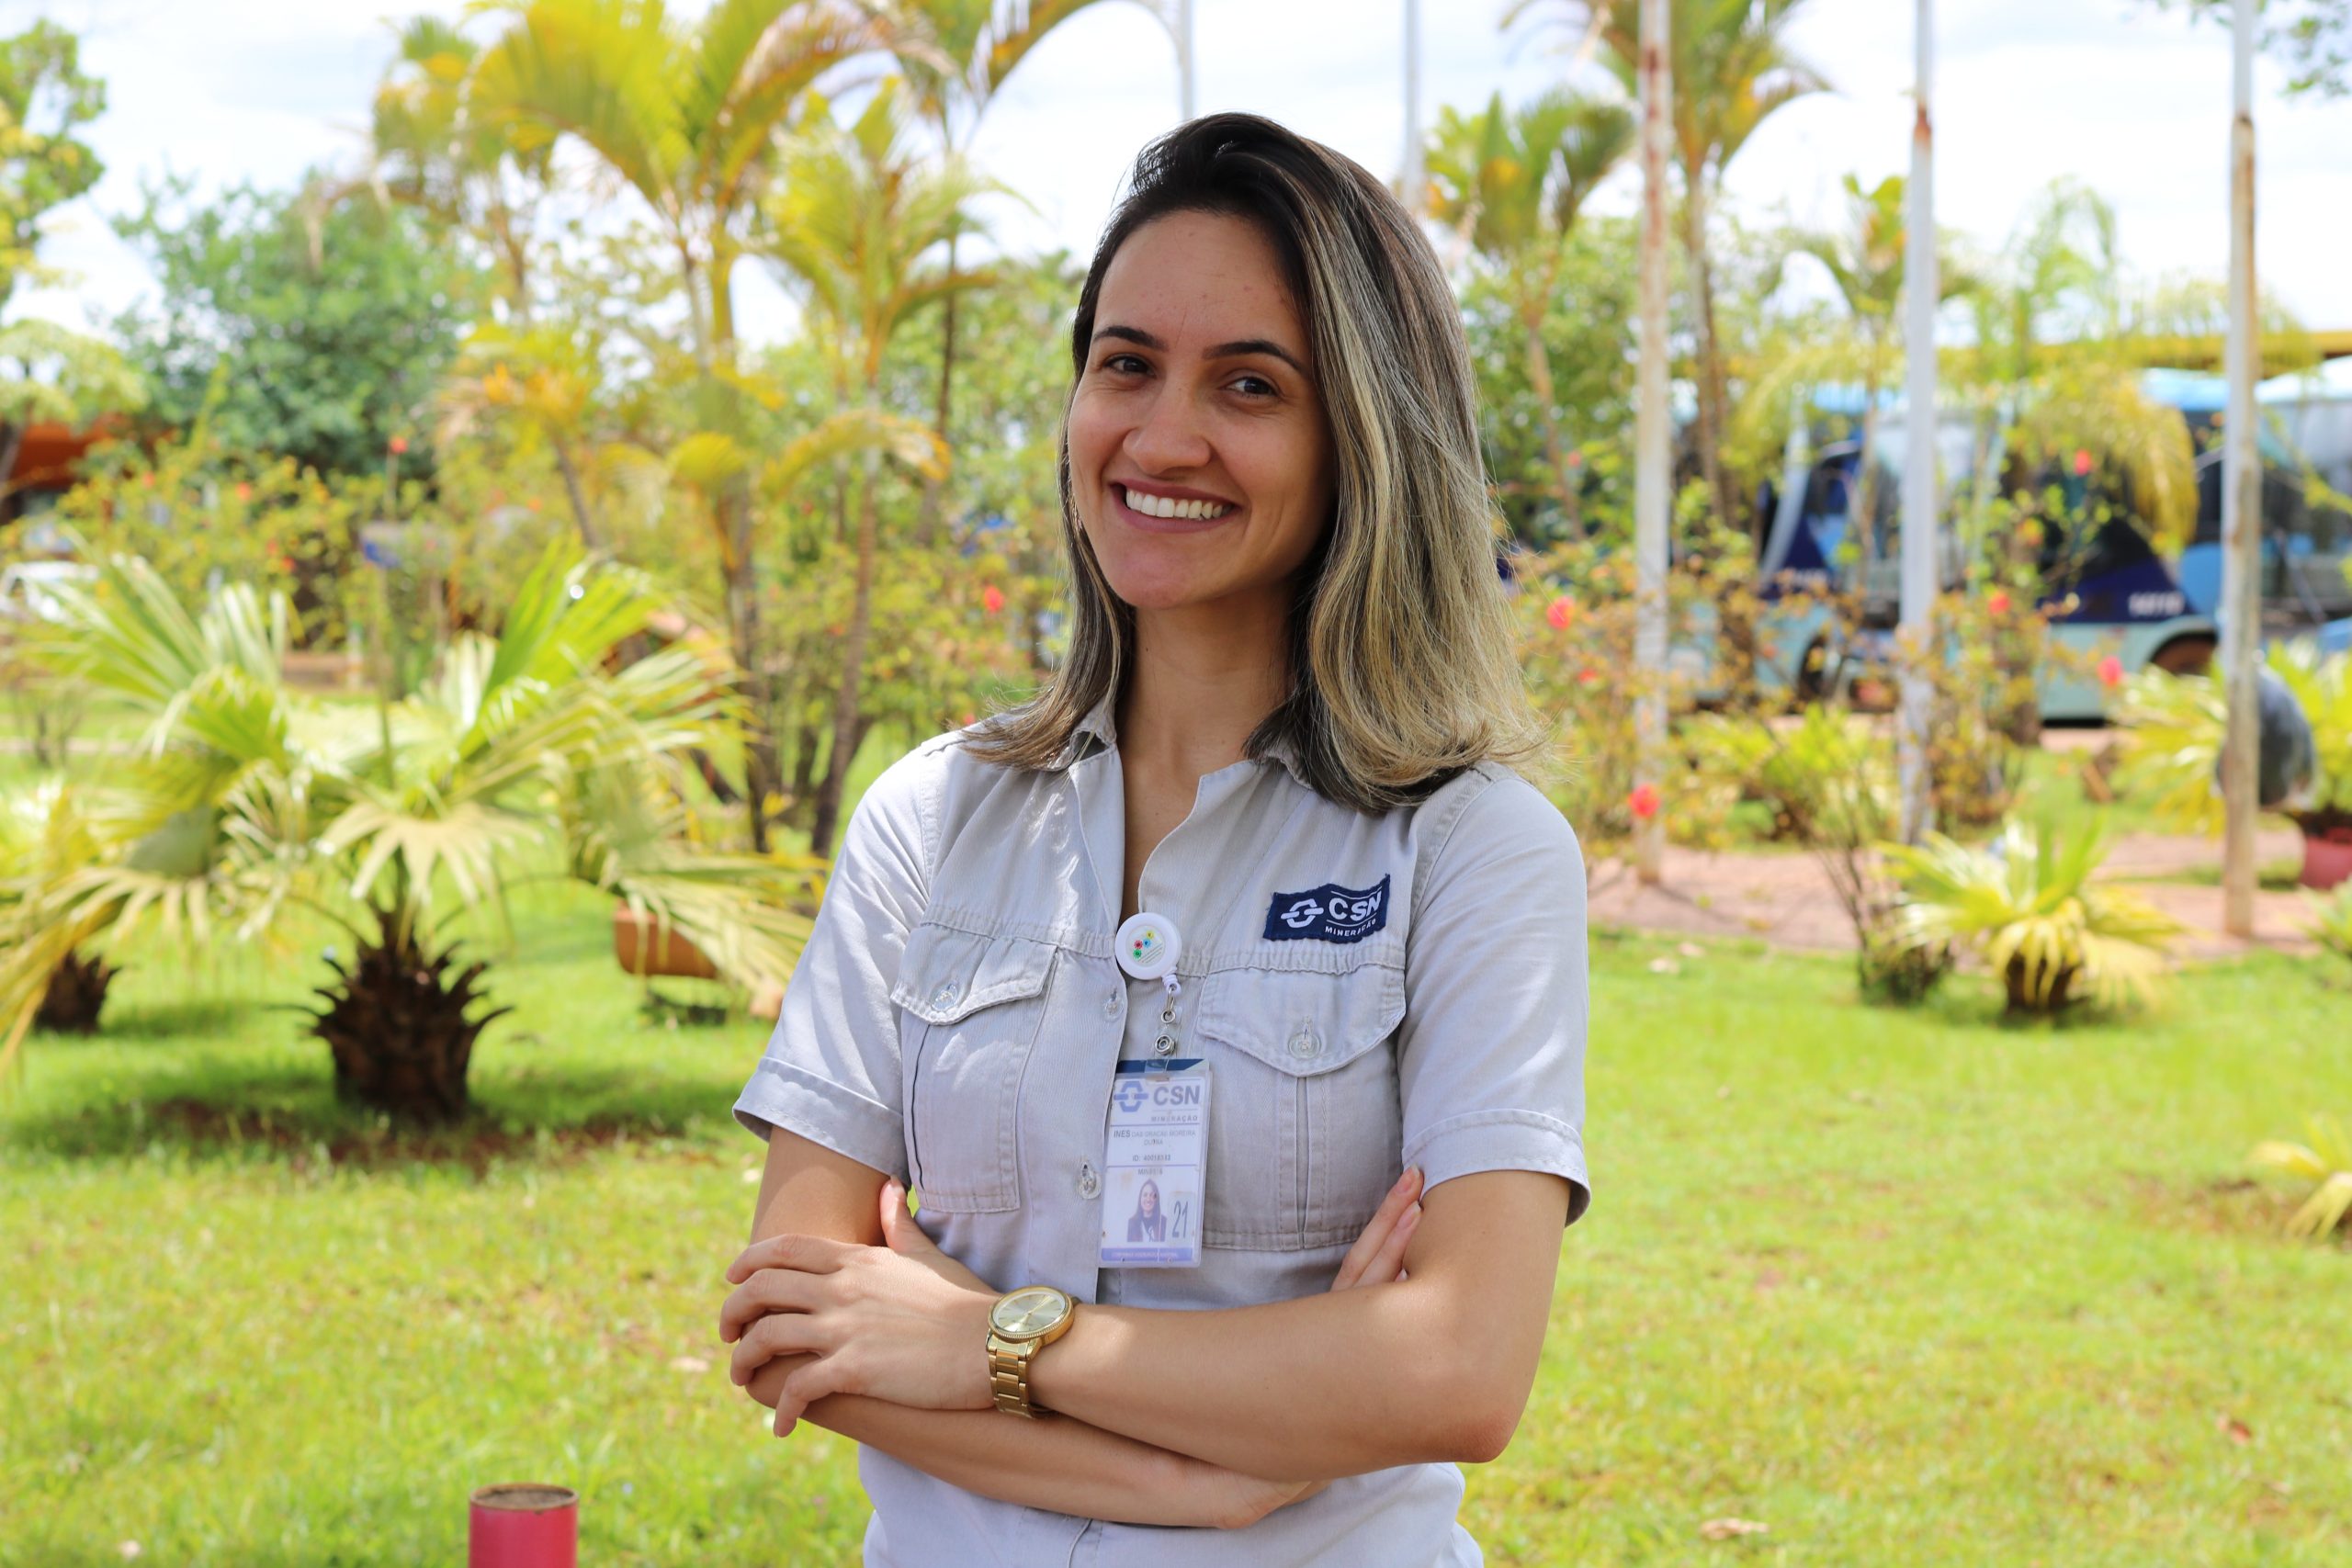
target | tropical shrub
[
  {"x": 44, "y": 834},
  {"x": 2027, "y": 904},
  {"x": 523, "y": 755},
  {"x": 2326, "y": 1162}
]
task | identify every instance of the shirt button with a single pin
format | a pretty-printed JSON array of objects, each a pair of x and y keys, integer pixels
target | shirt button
[
  {"x": 1111, "y": 1005},
  {"x": 1303, "y": 1041},
  {"x": 945, "y": 995},
  {"x": 1089, "y": 1183}
]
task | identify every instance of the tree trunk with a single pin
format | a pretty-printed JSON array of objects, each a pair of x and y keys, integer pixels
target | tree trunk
[
  {"x": 396, "y": 1023},
  {"x": 845, "y": 706},
  {"x": 1865, "y": 496},
  {"x": 579, "y": 512},
  {"x": 1712, "y": 394},
  {"x": 927, "y": 521},
  {"x": 77, "y": 991},
  {"x": 1539, "y": 379}
]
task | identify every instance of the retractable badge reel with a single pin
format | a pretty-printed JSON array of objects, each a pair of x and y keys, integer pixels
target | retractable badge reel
[{"x": 1147, "y": 946}]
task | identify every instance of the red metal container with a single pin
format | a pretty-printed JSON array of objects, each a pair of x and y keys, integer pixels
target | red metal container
[{"x": 525, "y": 1526}]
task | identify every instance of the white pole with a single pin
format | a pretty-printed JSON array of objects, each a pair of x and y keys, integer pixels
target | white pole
[
  {"x": 2241, "y": 505},
  {"x": 1651, "y": 430},
  {"x": 1414, "y": 180},
  {"x": 1917, "y": 634},
  {"x": 1185, "y": 56}
]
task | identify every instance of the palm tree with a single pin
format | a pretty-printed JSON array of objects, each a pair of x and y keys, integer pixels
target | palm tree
[
  {"x": 853, "y": 215},
  {"x": 1511, "y": 184},
  {"x": 1733, "y": 69},
  {"x": 970, "y": 49},
  {"x": 518, "y": 758},
  {"x": 686, "y": 115}
]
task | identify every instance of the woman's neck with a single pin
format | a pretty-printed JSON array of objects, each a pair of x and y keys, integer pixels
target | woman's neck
[{"x": 1204, "y": 677}]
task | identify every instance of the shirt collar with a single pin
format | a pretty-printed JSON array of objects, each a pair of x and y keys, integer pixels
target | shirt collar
[{"x": 1101, "y": 725}]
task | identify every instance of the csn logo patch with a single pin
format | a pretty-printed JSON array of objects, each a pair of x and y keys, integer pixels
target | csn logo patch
[{"x": 1329, "y": 913}]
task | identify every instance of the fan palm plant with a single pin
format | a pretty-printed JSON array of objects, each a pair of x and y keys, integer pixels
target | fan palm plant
[
  {"x": 2326, "y": 1162},
  {"x": 2028, "y": 906},
  {"x": 44, "y": 833},
  {"x": 519, "y": 757}
]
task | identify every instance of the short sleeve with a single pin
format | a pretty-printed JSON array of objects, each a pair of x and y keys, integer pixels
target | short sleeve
[
  {"x": 830, "y": 1070},
  {"x": 1490, "y": 1056}
]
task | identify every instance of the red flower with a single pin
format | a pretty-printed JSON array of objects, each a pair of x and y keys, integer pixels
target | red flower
[
  {"x": 1587, "y": 675},
  {"x": 992, "y": 598},
  {"x": 1575, "y": 459},
  {"x": 399, "y": 444},
  {"x": 2110, "y": 672},
  {"x": 2082, "y": 463},
  {"x": 1560, "y": 612},
  {"x": 1998, "y": 601},
  {"x": 245, "y": 491},
  {"x": 1643, "y": 803}
]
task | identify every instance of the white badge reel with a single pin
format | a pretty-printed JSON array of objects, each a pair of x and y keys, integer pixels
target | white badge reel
[{"x": 1147, "y": 947}]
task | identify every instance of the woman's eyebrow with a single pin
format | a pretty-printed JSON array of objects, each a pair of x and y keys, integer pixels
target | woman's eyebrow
[{"x": 1221, "y": 351}]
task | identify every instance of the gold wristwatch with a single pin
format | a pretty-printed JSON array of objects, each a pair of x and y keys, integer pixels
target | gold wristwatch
[{"x": 1023, "y": 1323}]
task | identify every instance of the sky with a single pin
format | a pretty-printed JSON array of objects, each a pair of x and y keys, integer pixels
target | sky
[{"x": 2115, "y": 93}]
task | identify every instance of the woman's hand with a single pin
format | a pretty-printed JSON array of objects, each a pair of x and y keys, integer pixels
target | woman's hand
[
  {"x": 1378, "y": 1256},
  {"x": 904, "y": 1323}
]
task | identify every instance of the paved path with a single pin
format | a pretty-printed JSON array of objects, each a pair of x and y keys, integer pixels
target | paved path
[{"x": 1784, "y": 898}]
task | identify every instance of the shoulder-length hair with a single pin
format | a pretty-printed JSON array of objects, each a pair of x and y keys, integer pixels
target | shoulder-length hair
[{"x": 1402, "y": 666}]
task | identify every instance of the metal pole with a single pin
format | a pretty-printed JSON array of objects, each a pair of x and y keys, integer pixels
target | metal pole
[
  {"x": 1920, "y": 554},
  {"x": 1185, "y": 56},
  {"x": 1651, "y": 432},
  {"x": 1414, "y": 180},
  {"x": 2241, "y": 505}
]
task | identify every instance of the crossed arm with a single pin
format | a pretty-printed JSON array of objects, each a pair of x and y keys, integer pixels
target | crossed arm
[{"x": 1164, "y": 1417}]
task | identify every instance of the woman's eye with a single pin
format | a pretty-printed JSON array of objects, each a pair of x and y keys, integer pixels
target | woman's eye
[
  {"x": 1123, "y": 364},
  {"x": 1256, "y": 386}
]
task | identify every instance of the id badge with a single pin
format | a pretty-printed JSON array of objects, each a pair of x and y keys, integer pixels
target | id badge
[{"x": 1155, "y": 1166}]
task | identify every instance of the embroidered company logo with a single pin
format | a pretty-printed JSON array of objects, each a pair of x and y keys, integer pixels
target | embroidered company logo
[{"x": 1329, "y": 913}]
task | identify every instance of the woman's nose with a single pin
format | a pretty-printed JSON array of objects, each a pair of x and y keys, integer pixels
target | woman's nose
[{"x": 1169, "y": 437}]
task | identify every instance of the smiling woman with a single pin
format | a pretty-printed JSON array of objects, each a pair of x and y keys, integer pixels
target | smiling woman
[{"x": 1226, "y": 1004}]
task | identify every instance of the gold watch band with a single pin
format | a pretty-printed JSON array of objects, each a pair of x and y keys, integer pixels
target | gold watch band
[{"x": 1008, "y": 1375}]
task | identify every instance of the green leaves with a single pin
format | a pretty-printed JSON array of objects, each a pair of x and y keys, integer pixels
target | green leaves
[
  {"x": 2326, "y": 1162},
  {"x": 2028, "y": 906}
]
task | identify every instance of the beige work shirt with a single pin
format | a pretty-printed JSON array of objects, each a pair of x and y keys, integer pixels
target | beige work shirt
[{"x": 1368, "y": 991}]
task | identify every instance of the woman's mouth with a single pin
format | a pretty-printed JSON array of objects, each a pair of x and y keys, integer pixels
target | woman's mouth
[{"x": 1166, "y": 515}]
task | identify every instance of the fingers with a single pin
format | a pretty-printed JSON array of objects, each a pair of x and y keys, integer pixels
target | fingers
[
  {"x": 770, "y": 1290},
  {"x": 809, "y": 1254},
  {"x": 1384, "y": 1221},
  {"x": 825, "y": 1375},
  {"x": 900, "y": 1231},
  {"x": 1387, "y": 1265},
  {"x": 778, "y": 1333}
]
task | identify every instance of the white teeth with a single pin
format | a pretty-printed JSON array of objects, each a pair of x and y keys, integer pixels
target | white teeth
[{"x": 1164, "y": 506}]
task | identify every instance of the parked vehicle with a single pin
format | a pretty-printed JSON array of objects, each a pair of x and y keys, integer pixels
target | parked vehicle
[{"x": 25, "y": 588}]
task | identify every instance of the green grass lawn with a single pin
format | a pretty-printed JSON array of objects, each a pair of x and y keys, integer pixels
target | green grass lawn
[{"x": 1906, "y": 1288}]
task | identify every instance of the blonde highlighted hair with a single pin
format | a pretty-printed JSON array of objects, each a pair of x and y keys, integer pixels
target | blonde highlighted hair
[{"x": 1403, "y": 672}]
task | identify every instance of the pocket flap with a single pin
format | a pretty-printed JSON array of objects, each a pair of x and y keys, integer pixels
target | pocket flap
[
  {"x": 948, "y": 973},
  {"x": 1303, "y": 1021}
]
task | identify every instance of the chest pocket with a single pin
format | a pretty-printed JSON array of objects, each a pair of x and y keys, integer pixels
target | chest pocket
[
  {"x": 1304, "y": 1131},
  {"x": 971, "y": 1007}
]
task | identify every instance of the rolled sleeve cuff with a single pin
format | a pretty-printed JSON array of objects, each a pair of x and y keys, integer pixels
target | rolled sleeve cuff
[
  {"x": 1503, "y": 1140},
  {"x": 842, "y": 1120}
]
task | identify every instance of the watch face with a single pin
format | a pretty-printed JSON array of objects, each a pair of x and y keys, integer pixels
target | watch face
[{"x": 1026, "y": 1314}]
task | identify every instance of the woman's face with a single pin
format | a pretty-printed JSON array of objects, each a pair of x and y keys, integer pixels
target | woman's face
[
  {"x": 1197, "y": 397},
  {"x": 1148, "y": 1198}
]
